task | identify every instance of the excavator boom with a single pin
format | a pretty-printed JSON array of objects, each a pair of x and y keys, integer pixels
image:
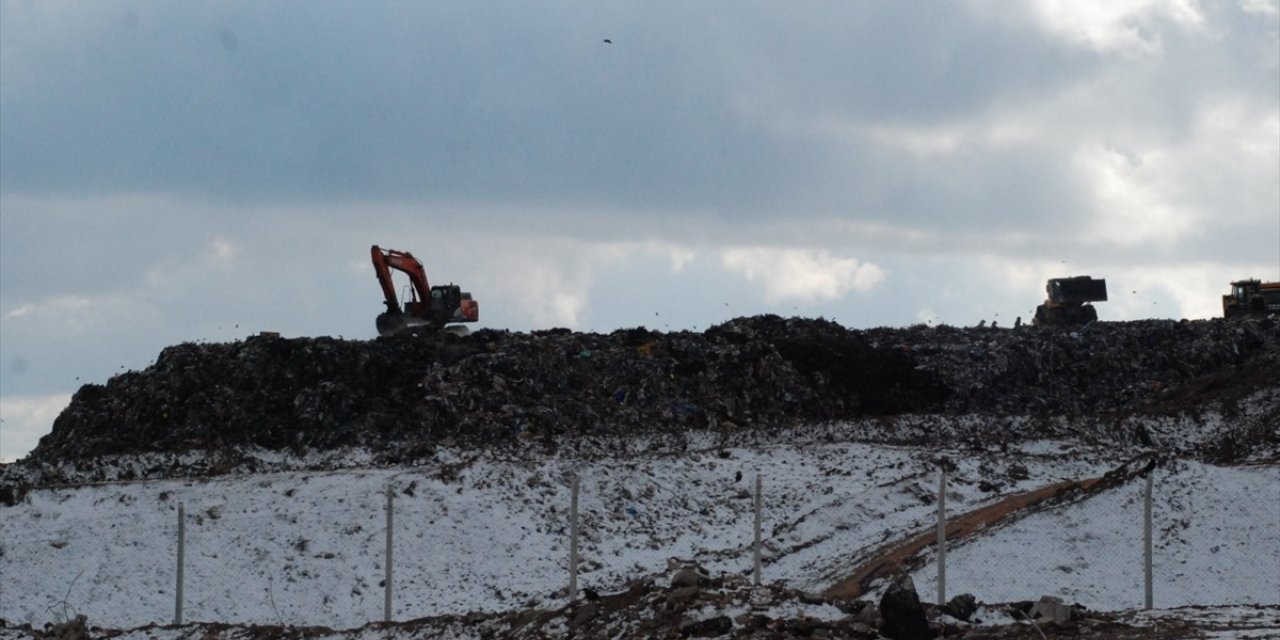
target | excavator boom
[{"x": 384, "y": 260}]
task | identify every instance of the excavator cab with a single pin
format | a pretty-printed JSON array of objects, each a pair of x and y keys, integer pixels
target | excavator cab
[
  {"x": 451, "y": 303},
  {"x": 1251, "y": 297},
  {"x": 1242, "y": 289}
]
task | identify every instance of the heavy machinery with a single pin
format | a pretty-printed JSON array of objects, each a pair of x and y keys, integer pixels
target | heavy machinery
[
  {"x": 431, "y": 308},
  {"x": 1068, "y": 301},
  {"x": 1251, "y": 298}
]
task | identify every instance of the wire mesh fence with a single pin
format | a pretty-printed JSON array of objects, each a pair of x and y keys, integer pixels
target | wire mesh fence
[
  {"x": 1173, "y": 536},
  {"x": 275, "y": 558}
]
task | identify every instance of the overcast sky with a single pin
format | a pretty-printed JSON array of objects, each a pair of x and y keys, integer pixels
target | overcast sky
[{"x": 203, "y": 171}]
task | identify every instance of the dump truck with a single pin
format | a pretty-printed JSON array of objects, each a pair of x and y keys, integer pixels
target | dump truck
[
  {"x": 1068, "y": 301},
  {"x": 1251, "y": 297}
]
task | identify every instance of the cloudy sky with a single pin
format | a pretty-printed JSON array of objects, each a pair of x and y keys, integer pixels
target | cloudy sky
[{"x": 203, "y": 171}]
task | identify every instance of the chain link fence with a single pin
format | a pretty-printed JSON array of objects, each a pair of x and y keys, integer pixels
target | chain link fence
[{"x": 1209, "y": 536}]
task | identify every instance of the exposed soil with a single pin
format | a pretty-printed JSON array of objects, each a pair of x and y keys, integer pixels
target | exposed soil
[
  {"x": 895, "y": 557},
  {"x": 903, "y": 556}
]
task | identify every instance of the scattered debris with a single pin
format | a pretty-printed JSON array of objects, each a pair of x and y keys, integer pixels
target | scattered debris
[
  {"x": 405, "y": 394},
  {"x": 722, "y": 610}
]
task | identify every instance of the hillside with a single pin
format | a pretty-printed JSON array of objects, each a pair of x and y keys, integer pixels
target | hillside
[
  {"x": 402, "y": 396},
  {"x": 280, "y": 449}
]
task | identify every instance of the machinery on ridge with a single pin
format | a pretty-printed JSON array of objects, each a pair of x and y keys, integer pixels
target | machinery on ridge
[
  {"x": 1251, "y": 298},
  {"x": 430, "y": 307},
  {"x": 1067, "y": 302}
]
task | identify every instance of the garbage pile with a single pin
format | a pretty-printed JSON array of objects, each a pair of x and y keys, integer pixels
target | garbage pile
[
  {"x": 1098, "y": 368},
  {"x": 409, "y": 393}
]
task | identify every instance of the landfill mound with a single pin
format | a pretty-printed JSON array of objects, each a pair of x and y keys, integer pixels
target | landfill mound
[{"x": 409, "y": 393}]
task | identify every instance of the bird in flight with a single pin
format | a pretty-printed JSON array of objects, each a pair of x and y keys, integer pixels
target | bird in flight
[{"x": 608, "y": 41}]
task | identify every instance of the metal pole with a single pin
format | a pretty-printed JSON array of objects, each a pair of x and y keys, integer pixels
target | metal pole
[
  {"x": 386, "y": 604},
  {"x": 573, "y": 543},
  {"x": 755, "y": 575},
  {"x": 942, "y": 536},
  {"x": 1146, "y": 541},
  {"x": 182, "y": 556}
]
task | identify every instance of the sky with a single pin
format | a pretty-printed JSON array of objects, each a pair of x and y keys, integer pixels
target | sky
[{"x": 177, "y": 172}]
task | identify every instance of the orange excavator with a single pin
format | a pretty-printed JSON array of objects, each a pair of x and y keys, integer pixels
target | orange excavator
[{"x": 431, "y": 308}]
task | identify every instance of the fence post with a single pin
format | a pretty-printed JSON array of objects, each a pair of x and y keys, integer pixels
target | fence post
[
  {"x": 755, "y": 575},
  {"x": 386, "y": 604},
  {"x": 942, "y": 535},
  {"x": 182, "y": 556},
  {"x": 573, "y": 542},
  {"x": 1146, "y": 541}
]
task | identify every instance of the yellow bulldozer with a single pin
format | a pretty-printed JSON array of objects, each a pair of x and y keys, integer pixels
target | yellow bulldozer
[
  {"x": 1251, "y": 298},
  {"x": 1068, "y": 301}
]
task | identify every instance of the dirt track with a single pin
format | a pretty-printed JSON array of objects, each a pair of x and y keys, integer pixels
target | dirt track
[{"x": 891, "y": 558}]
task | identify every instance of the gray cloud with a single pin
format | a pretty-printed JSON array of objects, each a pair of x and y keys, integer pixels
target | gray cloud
[
  {"x": 438, "y": 101},
  {"x": 173, "y": 172}
]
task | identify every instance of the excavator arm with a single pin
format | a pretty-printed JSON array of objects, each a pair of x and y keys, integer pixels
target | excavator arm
[{"x": 384, "y": 260}]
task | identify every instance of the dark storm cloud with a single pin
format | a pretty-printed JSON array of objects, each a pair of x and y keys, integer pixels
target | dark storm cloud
[
  {"x": 518, "y": 103},
  {"x": 709, "y": 112}
]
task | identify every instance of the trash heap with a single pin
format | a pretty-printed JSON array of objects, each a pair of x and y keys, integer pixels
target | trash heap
[
  {"x": 409, "y": 393},
  {"x": 1102, "y": 367}
]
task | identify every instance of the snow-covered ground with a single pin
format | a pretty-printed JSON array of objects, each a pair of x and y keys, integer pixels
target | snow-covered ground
[
  {"x": 1216, "y": 541},
  {"x": 481, "y": 533}
]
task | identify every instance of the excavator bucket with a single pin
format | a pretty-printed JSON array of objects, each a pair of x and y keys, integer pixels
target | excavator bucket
[{"x": 389, "y": 324}]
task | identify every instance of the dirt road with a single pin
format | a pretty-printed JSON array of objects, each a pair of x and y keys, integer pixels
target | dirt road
[{"x": 891, "y": 558}]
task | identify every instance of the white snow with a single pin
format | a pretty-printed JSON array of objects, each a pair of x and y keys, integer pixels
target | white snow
[
  {"x": 489, "y": 534},
  {"x": 1216, "y": 541}
]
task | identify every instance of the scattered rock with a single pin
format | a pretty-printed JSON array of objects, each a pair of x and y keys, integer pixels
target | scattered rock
[
  {"x": 961, "y": 607},
  {"x": 73, "y": 629},
  {"x": 709, "y": 628},
  {"x": 903, "y": 615},
  {"x": 585, "y": 613},
  {"x": 1051, "y": 609},
  {"x": 760, "y": 597},
  {"x": 689, "y": 577},
  {"x": 682, "y": 597},
  {"x": 869, "y": 615}
]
